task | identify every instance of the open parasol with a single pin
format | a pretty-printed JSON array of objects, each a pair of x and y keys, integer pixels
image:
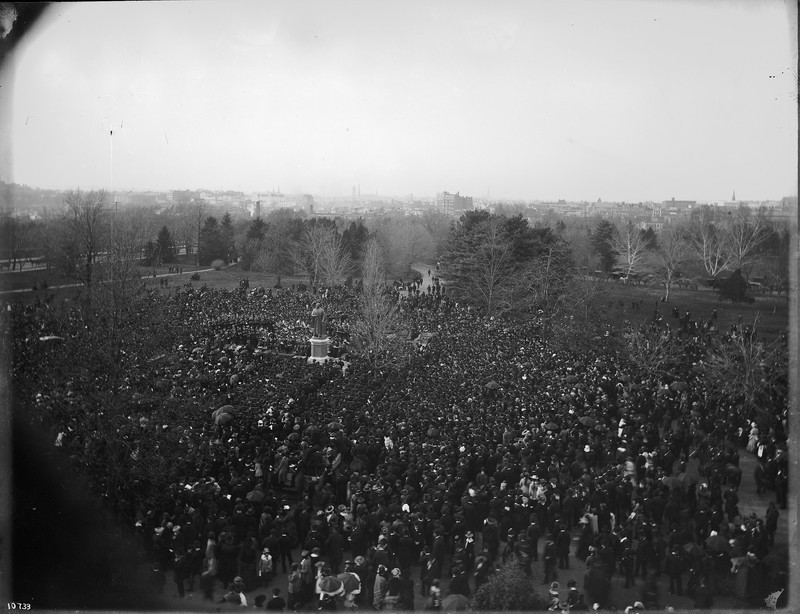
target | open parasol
[
  {"x": 493, "y": 385},
  {"x": 222, "y": 418},
  {"x": 350, "y": 581},
  {"x": 587, "y": 421},
  {"x": 718, "y": 543},
  {"x": 330, "y": 584},
  {"x": 455, "y": 603}
]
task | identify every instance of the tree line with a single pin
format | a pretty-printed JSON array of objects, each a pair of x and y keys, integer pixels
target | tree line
[{"x": 498, "y": 260}]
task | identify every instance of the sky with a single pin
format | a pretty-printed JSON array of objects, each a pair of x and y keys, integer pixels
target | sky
[{"x": 630, "y": 100}]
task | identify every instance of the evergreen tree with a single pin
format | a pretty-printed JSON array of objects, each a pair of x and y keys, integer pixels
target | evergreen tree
[
  {"x": 734, "y": 288},
  {"x": 602, "y": 245},
  {"x": 212, "y": 244},
  {"x": 228, "y": 239},
  {"x": 165, "y": 245}
]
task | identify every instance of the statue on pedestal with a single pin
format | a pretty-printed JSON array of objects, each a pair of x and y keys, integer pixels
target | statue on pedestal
[{"x": 318, "y": 320}]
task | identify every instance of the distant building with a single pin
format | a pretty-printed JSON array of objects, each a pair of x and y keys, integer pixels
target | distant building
[
  {"x": 674, "y": 205},
  {"x": 453, "y": 203}
]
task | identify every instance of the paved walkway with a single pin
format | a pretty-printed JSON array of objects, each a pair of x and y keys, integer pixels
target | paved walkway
[{"x": 151, "y": 276}]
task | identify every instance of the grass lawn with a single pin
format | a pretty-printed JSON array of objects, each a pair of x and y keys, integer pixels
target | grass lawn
[
  {"x": 26, "y": 279},
  {"x": 772, "y": 311}
]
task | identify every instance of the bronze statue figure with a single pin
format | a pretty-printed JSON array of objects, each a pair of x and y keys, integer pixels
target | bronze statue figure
[{"x": 318, "y": 320}]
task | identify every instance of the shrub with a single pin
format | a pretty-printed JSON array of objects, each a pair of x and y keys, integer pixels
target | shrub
[
  {"x": 509, "y": 588},
  {"x": 734, "y": 288},
  {"x": 195, "y": 277}
]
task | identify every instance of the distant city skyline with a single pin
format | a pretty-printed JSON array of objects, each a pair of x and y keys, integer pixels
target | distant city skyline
[{"x": 574, "y": 100}]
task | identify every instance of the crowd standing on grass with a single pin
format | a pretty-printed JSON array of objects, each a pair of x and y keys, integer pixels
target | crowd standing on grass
[{"x": 490, "y": 445}]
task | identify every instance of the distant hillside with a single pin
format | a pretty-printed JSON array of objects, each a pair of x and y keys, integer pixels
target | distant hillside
[{"x": 22, "y": 197}]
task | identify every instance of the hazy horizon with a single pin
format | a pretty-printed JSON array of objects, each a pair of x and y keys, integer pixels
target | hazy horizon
[{"x": 574, "y": 100}]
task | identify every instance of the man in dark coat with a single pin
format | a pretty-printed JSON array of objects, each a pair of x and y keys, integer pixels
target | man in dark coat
[
  {"x": 335, "y": 546},
  {"x": 550, "y": 558},
  {"x": 534, "y": 533},
  {"x": 431, "y": 570},
  {"x": 703, "y": 597},
  {"x": 491, "y": 538},
  {"x": 673, "y": 565},
  {"x": 563, "y": 540},
  {"x": 285, "y": 548},
  {"x": 406, "y": 551},
  {"x": 459, "y": 584}
]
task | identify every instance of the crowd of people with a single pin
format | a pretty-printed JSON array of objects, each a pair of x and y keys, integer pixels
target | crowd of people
[{"x": 489, "y": 446}]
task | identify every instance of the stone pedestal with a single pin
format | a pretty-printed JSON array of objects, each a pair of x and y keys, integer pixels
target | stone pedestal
[{"x": 319, "y": 349}]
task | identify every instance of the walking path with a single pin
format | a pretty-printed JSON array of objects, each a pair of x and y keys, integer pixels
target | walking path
[{"x": 60, "y": 287}]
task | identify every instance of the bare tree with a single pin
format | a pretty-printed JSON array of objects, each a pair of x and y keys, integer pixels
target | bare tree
[
  {"x": 198, "y": 212},
  {"x": 15, "y": 235},
  {"x": 480, "y": 266},
  {"x": 670, "y": 255},
  {"x": 438, "y": 226},
  {"x": 335, "y": 262},
  {"x": 378, "y": 335},
  {"x": 405, "y": 241},
  {"x": 632, "y": 249},
  {"x": 275, "y": 253},
  {"x": 322, "y": 256},
  {"x": 85, "y": 216},
  {"x": 654, "y": 350},
  {"x": 580, "y": 319},
  {"x": 745, "y": 233},
  {"x": 747, "y": 372},
  {"x": 307, "y": 253},
  {"x": 545, "y": 284},
  {"x": 120, "y": 284},
  {"x": 709, "y": 241}
]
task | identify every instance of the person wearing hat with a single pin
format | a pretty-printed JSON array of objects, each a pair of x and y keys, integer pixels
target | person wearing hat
[
  {"x": 511, "y": 542},
  {"x": 358, "y": 540},
  {"x": 550, "y": 557},
  {"x": 491, "y": 538},
  {"x": 335, "y": 546},
  {"x": 295, "y": 588},
  {"x": 265, "y": 567},
  {"x": 674, "y": 566},
  {"x": 392, "y": 589},
  {"x": 406, "y": 550},
  {"x": 307, "y": 571},
  {"x": 534, "y": 534},
  {"x": 431, "y": 569},
  {"x": 180, "y": 569},
  {"x": 523, "y": 552},
  {"x": 459, "y": 583},
  {"x": 361, "y": 570},
  {"x": 627, "y": 561},
  {"x": 380, "y": 587}
]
